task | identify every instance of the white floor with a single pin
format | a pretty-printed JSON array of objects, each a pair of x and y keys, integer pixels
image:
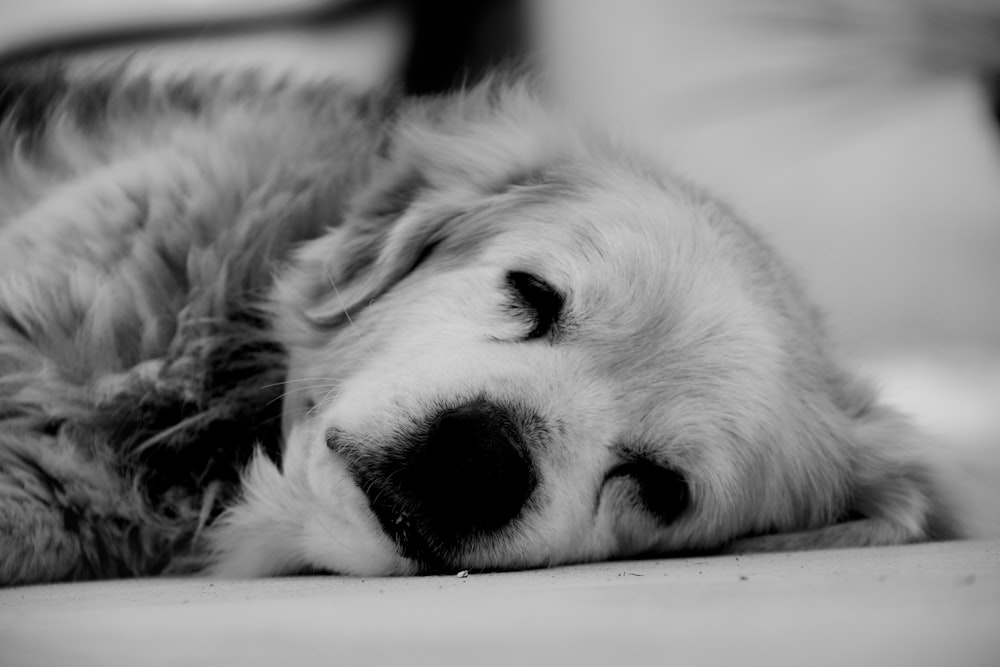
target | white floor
[{"x": 931, "y": 605}]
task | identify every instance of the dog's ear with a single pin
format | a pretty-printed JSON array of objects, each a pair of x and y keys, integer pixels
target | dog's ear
[
  {"x": 386, "y": 233},
  {"x": 894, "y": 487},
  {"x": 441, "y": 161}
]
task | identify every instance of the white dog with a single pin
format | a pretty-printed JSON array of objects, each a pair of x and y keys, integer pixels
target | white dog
[{"x": 262, "y": 327}]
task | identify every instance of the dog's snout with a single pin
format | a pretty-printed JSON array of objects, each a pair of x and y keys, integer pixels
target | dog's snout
[{"x": 470, "y": 475}]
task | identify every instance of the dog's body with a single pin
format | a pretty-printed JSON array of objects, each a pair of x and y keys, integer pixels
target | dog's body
[{"x": 260, "y": 327}]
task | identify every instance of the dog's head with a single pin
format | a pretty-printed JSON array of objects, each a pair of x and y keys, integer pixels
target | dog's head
[{"x": 525, "y": 347}]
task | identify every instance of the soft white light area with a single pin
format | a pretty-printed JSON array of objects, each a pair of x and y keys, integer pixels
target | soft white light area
[
  {"x": 957, "y": 395},
  {"x": 366, "y": 48},
  {"x": 878, "y": 182},
  {"x": 22, "y": 21}
]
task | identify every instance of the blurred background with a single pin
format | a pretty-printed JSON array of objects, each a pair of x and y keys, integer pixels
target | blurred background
[{"x": 860, "y": 135}]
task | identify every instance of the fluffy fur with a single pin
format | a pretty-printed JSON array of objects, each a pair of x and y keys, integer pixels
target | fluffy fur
[{"x": 232, "y": 310}]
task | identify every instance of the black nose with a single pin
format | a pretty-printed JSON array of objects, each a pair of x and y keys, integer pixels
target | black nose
[{"x": 471, "y": 474}]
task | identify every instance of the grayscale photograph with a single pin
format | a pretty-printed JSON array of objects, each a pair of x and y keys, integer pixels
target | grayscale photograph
[{"x": 500, "y": 332}]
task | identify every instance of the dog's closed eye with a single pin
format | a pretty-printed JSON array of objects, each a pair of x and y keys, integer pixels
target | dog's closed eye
[
  {"x": 539, "y": 300},
  {"x": 661, "y": 491}
]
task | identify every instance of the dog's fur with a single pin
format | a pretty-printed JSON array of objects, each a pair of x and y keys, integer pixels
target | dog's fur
[{"x": 234, "y": 311}]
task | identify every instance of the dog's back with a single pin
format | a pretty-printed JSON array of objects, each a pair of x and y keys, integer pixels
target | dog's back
[{"x": 141, "y": 220}]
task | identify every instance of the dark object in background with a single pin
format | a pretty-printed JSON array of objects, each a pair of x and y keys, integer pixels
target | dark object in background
[
  {"x": 455, "y": 41},
  {"x": 992, "y": 83},
  {"x": 459, "y": 40},
  {"x": 452, "y": 41},
  {"x": 135, "y": 30}
]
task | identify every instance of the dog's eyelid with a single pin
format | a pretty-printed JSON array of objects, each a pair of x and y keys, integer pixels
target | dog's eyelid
[
  {"x": 425, "y": 253},
  {"x": 663, "y": 490},
  {"x": 534, "y": 293}
]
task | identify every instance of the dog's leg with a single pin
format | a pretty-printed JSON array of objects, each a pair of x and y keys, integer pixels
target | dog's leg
[
  {"x": 900, "y": 492},
  {"x": 64, "y": 517},
  {"x": 859, "y": 533},
  {"x": 73, "y": 500}
]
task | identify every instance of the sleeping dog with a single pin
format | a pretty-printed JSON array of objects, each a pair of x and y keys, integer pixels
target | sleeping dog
[{"x": 253, "y": 326}]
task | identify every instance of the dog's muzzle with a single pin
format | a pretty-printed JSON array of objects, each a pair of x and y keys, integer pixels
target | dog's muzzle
[{"x": 466, "y": 475}]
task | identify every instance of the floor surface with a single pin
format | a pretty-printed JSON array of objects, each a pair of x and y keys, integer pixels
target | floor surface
[{"x": 932, "y": 604}]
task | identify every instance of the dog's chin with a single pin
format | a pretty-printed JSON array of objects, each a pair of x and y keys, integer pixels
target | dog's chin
[
  {"x": 376, "y": 543},
  {"x": 340, "y": 533},
  {"x": 309, "y": 516},
  {"x": 374, "y": 530}
]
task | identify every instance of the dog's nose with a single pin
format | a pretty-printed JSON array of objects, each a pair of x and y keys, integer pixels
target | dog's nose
[{"x": 471, "y": 475}]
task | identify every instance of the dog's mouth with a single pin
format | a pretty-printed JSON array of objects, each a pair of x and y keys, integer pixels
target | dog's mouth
[{"x": 454, "y": 484}]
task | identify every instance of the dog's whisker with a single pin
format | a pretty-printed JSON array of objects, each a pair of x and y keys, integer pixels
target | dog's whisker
[
  {"x": 333, "y": 536},
  {"x": 292, "y": 392},
  {"x": 330, "y": 396},
  {"x": 329, "y": 386},
  {"x": 166, "y": 433},
  {"x": 319, "y": 378},
  {"x": 347, "y": 314}
]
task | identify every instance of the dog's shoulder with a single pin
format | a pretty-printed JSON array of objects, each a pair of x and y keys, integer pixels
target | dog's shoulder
[
  {"x": 143, "y": 213},
  {"x": 36, "y": 96},
  {"x": 125, "y": 103}
]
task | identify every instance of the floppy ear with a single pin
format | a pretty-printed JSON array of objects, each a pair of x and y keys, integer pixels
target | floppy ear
[
  {"x": 382, "y": 239},
  {"x": 897, "y": 491},
  {"x": 384, "y": 236},
  {"x": 443, "y": 158}
]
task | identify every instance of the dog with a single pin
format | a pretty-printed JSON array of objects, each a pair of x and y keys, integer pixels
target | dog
[{"x": 254, "y": 326}]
